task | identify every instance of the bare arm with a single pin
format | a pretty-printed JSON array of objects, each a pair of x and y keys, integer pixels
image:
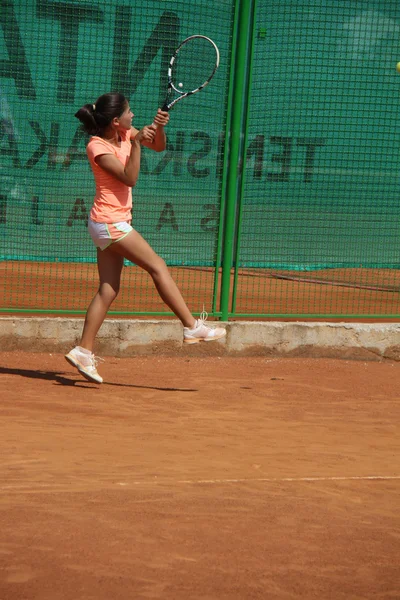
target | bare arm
[
  {"x": 129, "y": 173},
  {"x": 159, "y": 142}
]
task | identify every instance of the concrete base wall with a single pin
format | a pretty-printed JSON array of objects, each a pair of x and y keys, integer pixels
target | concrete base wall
[{"x": 122, "y": 337}]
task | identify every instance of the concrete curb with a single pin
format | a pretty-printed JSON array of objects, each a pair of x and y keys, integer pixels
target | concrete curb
[{"x": 123, "y": 337}]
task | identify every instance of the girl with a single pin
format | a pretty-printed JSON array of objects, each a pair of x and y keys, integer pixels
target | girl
[{"x": 114, "y": 155}]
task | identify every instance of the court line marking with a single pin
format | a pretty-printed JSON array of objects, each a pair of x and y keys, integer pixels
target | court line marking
[
  {"x": 296, "y": 479},
  {"x": 154, "y": 482}
]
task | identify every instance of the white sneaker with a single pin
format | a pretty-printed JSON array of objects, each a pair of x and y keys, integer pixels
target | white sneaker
[
  {"x": 202, "y": 332},
  {"x": 85, "y": 362}
]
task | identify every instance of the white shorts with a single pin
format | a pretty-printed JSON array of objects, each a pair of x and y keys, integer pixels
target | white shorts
[{"x": 105, "y": 234}]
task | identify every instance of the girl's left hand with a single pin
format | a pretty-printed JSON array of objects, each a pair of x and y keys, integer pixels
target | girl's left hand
[{"x": 161, "y": 119}]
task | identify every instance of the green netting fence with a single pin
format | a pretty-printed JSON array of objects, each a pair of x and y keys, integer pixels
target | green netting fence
[{"x": 278, "y": 193}]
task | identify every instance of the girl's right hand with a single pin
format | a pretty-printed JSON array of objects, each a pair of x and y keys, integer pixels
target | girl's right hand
[{"x": 146, "y": 134}]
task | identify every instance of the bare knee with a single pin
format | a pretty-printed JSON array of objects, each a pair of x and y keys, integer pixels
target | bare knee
[
  {"x": 158, "y": 268},
  {"x": 108, "y": 292}
]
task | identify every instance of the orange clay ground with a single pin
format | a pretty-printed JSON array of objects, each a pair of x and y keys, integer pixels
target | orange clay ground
[
  {"x": 186, "y": 478},
  {"x": 332, "y": 292}
]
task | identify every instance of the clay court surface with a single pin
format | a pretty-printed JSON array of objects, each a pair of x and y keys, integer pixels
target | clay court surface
[
  {"x": 333, "y": 293},
  {"x": 199, "y": 478}
]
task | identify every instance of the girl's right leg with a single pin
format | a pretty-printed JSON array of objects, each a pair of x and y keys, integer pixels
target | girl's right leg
[{"x": 109, "y": 266}]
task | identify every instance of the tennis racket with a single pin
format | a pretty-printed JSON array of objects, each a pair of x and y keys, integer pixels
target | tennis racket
[{"x": 190, "y": 69}]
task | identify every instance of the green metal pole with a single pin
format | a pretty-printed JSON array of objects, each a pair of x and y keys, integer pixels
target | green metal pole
[
  {"x": 235, "y": 146},
  {"x": 245, "y": 127},
  {"x": 225, "y": 165}
]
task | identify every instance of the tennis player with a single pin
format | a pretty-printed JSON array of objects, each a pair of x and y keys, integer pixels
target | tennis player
[{"x": 114, "y": 155}]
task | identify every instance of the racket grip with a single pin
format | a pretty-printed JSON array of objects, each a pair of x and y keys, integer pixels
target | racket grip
[{"x": 164, "y": 108}]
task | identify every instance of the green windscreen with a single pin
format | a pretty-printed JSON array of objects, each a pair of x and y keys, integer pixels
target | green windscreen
[
  {"x": 57, "y": 56},
  {"x": 322, "y": 185},
  {"x": 306, "y": 89},
  {"x": 321, "y": 188}
]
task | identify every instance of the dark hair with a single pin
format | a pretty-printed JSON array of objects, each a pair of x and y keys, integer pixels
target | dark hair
[{"x": 96, "y": 117}]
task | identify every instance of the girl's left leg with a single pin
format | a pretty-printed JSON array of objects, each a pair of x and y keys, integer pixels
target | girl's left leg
[{"x": 135, "y": 248}]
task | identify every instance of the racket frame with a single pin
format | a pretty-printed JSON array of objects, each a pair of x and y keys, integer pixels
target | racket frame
[{"x": 168, "y": 104}]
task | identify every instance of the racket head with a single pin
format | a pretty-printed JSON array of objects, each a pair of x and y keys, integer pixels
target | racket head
[{"x": 193, "y": 65}]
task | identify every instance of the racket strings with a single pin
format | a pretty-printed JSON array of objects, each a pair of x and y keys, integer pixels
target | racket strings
[{"x": 193, "y": 65}]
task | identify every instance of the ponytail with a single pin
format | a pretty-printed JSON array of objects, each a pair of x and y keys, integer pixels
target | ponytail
[
  {"x": 96, "y": 117},
  {"x": 87, "y": 118}
]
